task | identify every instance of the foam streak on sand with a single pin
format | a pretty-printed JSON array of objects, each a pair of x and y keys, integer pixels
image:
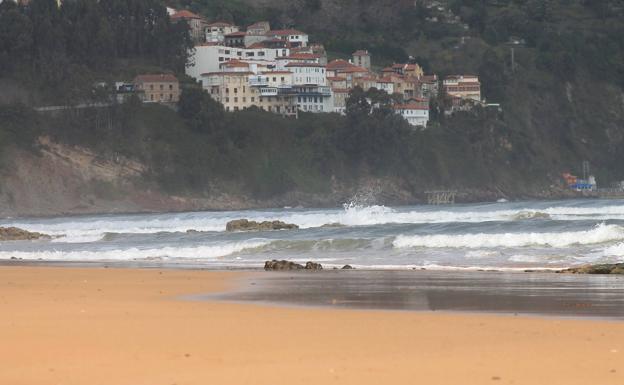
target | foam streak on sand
[{"x": 600, "y": 234}]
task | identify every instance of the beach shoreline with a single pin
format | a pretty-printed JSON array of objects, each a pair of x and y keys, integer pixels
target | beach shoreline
[{"x": 75, "y": 325}]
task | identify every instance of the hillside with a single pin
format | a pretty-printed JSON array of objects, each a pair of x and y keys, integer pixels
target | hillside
[{"x": 562, "y": 103}]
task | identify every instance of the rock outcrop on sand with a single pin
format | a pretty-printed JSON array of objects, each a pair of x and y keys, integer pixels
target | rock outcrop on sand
[
  {"x": 347, "y": 267},
  {"x": 17, "y": 234},
  {"x": 617, "y": 268},
  {"x": 276, "y": 265},
  {"x": 247, "y": 225}
]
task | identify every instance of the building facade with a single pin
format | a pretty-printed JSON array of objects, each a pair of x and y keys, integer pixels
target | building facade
[
  {"x": 465, "y": 87},
  {"x": 158, "y": 88}
]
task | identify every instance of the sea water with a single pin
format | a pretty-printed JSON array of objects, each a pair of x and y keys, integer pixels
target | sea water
[{"x": 502, "y": 236}]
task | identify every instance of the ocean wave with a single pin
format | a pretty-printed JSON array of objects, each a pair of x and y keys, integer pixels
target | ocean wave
[
  {"x": 93, "y": 229},
  {"x": 134, "y": 253},
  {"x": 602, "y": 233},
  {"x": 615, "y": 250},
  {"x": 526, "y": 215}
]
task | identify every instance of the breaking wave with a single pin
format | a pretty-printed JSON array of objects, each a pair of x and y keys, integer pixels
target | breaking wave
[
  {"x": 134, "y": 253},
  {"x": 92, "y": 229},
  {"x": 600, "y": 234}
]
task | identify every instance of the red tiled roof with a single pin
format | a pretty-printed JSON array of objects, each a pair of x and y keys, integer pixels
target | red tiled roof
[
  {"x": 285, "y": 32},
  {"x": 155, "y": 78},
  {"x": 302, "y": 56},
  {"x": 410, "y": 106},
  {"x": 220, "y": 24},
  {"x": 336, "y": 78},
  {"x": 297, "y": 64},
  {"x": 238, "y": 73},
  {"x": 338, "y": 64},
  {"x": 354, "y": 69},
  {"x": 184, "y": 14},
  {"x": 257, "y": 45},
  {"x": 233, "y": 63},
  {"x": 236, "y": 34}
]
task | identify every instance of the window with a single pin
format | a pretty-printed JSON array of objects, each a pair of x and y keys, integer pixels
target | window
[
  {"x": 261, "y": 53},
  {"x": 162, "y": 87},
  {"x": 235, "y": 108},
  {"x": 260, "y": 99},
  {"x": 235, "y": 90},
  {"x": 170, "y": 96},
  {"x": 253, "y": 99},
  {"x": 227, "y": 100},
  {"x": 227, "y": 90},
  {"x": 152, "y": 97},
  {"x": 227, "y": 51},
  {"x": 274, "y": 79},
  {"x": 170, "y": 86},
  {"x": 282, "y": 79},
  {"x": 235, "y": 100},
  {"x": 244, "y": 99},
  {"x": 151, "y": 86},
  {"x": 243, "y": 89},
  {"x": 220, "y": 58}
]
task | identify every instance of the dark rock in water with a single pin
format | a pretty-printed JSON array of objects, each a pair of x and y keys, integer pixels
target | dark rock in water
[
  {"x": 617, "y": 268},
  {"x": 16, "y": 234},
  {"x": 282, "y": 265},
  {"x": 276, "y": 265},
  {"x": 347, "y": 267},
  {"x": 313, "y": 266},
  {"x": 247, "y": 225},
  {"x": 332, "y": 225}
]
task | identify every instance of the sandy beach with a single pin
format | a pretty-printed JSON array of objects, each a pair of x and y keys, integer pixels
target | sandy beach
[{"x": 93, "y": 326}]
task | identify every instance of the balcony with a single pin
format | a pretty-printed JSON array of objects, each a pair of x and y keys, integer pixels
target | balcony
[
  {"x": 268, "y": 91},
  {"x": 257, "y": 81},
  {"x": 313, "y": 91}
]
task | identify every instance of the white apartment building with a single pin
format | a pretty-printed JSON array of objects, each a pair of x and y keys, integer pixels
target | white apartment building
[
  {"x": 292, "y": 36},
  {"x": 310, "y": 87},
  {"x": 463, "y": 86},
  {"x": 208, "y": 57},
  {"x": 416, "y": 112}
]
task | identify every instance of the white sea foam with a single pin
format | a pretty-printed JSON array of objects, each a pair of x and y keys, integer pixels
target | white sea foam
[
  {"x": 134, "y": 253},
  {"x": 90, "y": 229},
  {"x": 600, "y": 234},
  {"x": 615, "y": 250}
]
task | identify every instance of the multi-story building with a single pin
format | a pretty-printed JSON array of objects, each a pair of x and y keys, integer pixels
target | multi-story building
[
  {"x": 215, "y": 32},
  {"x": 207, "y": 57},
  {"x": 158, "y": 88},
  {"x": 310, "y": 87},
  {"x": 241, "y": 90},
  {"x": 292, "y": 36},
  {"x": 465, "y": 87},
  {"x": 196, "y": 23},
  {"x": 256, "y": 33},
  {"x": 235, "y": 39},
  {"x": 415, "y": 111},
  {"x": 362, "y": 58}
]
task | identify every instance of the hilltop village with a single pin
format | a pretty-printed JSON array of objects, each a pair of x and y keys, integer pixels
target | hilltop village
[{"x": 281, "y": 71}]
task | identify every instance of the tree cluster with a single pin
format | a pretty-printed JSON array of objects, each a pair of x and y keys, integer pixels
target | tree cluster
[{"x": 58, "y": 47}]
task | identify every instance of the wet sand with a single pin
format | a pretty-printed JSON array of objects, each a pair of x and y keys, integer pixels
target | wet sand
[
  {"x": 132, "y": 326},
  {"x": 513, "y": 293}
]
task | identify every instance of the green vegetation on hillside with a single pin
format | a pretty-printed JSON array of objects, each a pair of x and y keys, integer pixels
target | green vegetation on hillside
[
  {"x": 60, "y": 52},
  {"x": 561, "y": 103}
]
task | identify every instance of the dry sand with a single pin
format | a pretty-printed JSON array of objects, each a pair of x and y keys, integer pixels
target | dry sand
[{"x": 118, "y": 327}]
